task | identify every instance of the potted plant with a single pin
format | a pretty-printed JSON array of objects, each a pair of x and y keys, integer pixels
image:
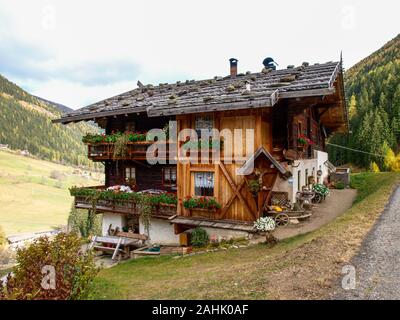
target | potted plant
[
  {"x": 202, "y": 205},
  {"x": 303, "y": 142},
  {"x": 254, "y": 187},
  {"x": 266, "y": 225}
]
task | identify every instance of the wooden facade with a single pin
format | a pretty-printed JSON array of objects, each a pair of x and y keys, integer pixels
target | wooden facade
[
  {"x": 275, "y": 130},
  {"x": 310, "y": 111}
]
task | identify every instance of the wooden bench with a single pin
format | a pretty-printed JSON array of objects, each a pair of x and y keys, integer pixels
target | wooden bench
[
  {"x": 131, "y": 235},
  {"x": 119, "y": 246}
]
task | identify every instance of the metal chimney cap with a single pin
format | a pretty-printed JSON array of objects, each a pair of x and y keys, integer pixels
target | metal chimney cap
[{"x": 233, "y": 60}]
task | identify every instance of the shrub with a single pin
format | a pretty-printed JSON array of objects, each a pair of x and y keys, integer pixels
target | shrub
[
  {"x": 6, "y": 255},
  {"x": 32, "y": 276},
  {"x": 199, "y": 237},
  {"x": 57, "y": 175},
  {"x": 84, "y": 223},
  {"x": 340, "y": 185}
]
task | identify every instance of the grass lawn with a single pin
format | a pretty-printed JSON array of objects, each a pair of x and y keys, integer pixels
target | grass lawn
[
  {"x": 34, "y": 194},
  {"x": 303, "y": 267}
]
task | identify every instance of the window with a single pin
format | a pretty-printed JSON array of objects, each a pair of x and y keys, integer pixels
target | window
[
  {"x": 169, "y": 176},
  {"x": 306, "y": 177},
  {"x": 130, "y": 174},
  {"x": 204, "y": 184},
  {"x": 129, "y": 126},
  {"x": 299, "y": 129},
  {"x": 203, "y": 122},
  {"x": 299, "y": 180}
]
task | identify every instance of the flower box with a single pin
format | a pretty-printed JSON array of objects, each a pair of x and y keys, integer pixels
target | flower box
[{"x": 204, "y": 213}]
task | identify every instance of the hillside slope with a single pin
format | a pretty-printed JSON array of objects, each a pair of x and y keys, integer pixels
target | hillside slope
[
  {"x": 373, "y": 91},
  {"x": 25, "y": 123},
  {"x": 59, "y": 106},
  {"x": 34, "y": 193}
]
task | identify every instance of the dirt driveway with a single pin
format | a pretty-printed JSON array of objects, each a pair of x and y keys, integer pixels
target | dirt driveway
[
  {"x": 333, "y": 206},
  {"x": 377, "y": 267}
]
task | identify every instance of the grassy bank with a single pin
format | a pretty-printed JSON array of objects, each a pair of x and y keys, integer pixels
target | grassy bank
[
  {"x": 303, "y": 267},
  {"x": 34, "y": 193}
]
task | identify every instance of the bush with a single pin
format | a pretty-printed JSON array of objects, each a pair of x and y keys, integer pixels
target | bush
[
  {"x": 32, "y": 277},
  {"x": 340, "y": 185},
  {"x": 7, "y": 256},
  {"x": 57, "y": 175},
  {"x": 83, "y": 223},
  {"x": 199, "y": 237}
]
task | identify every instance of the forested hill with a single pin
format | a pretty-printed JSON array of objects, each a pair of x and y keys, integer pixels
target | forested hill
[
  {"x": 373, "y": 91},
  {"x": 59, "y": 106},
  {"x": 25, "y": 123}
]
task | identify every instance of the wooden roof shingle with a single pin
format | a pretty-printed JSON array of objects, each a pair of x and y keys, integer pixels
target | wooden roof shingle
[{"x": 219, "y": 93}]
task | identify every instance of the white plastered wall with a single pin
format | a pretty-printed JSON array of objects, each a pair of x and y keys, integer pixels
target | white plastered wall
[
  {"x": 116, "y": 220},
  {"x": 298, "y": 170},
  {"x": 161, "y": 232}
]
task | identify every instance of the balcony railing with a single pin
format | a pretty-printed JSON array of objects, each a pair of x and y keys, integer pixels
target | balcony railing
[
  {"x": 138, "y": 151},
  {"x": 134, "y": 151},
  {"x": 122, "y": 206}
]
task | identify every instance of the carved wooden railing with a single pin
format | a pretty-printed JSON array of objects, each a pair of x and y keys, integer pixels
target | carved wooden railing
[
  {"x": 134, "y": 150},
  {"x": 139, "y": 151},
  {"x": 121, "y": 206}
]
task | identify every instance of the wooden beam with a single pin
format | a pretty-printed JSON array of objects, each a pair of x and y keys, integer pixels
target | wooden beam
[
  {"x": 235, "y": 190},
  {"x": 231, "y": 199},
  {"x": 307, "y": 93},
  {"x": 261, "y": 208}
]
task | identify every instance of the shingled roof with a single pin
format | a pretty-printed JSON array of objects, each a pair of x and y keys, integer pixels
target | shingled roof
[{"x": 219, "y": 93}]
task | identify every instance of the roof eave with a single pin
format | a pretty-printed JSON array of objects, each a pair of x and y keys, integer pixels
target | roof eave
[{"x": 94, "y": 115}]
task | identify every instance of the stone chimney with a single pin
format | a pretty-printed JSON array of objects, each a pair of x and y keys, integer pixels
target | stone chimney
[{"x": 233, "y": 63}]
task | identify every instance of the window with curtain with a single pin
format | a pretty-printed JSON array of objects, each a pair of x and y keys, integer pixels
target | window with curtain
[
  {"x": 169, "y": 176},
  {"x": 204, "y": 184}
]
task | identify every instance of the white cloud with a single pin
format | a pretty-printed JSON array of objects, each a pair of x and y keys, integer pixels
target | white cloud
[{"x": 177, "y": 40}]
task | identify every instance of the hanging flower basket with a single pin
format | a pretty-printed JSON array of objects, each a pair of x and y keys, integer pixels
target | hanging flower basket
[{"x": 304, "y": 141}]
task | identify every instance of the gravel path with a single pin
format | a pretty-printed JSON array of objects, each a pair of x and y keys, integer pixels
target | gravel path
[
  {"x": 377, "y": 265},
  {"x": 333, "y": 206}
]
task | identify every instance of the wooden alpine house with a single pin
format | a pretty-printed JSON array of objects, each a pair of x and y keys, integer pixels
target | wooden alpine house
[{"x": 272, "y": 129}]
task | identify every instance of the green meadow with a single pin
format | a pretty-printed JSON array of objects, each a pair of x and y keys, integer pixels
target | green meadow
[{"x": 34, "y": 193}]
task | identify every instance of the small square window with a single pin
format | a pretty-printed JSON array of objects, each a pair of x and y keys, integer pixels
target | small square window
[
  {"x": 130, "y": 174},
  {"x": 204, "y": 184},
  {"x": 203, "y": 122},
  {"x": 129, "y": 126},
  {"x": 169, "y": 176}
]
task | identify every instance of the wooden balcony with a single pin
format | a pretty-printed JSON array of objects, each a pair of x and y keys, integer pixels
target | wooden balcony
[
  {"x": 134, "y": 151},
  {"x": 163, "y": 211},
  {"x": 138, "y": 151}
]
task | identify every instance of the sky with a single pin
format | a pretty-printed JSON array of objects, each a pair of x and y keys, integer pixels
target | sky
[{"x": 79, "y": 52}]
